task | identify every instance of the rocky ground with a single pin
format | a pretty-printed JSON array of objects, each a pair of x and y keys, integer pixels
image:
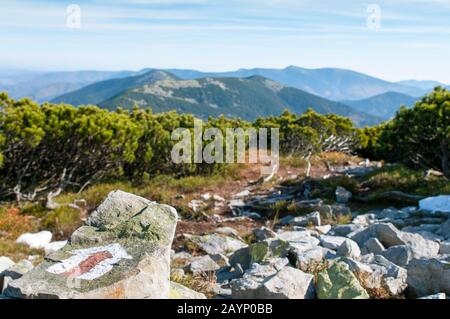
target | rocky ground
[{"x": 288, "y": 238}]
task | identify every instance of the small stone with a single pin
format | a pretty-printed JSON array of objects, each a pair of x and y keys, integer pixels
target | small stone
[
  {"x": 435, "y": 296},
  {"x": 201, "y": 265},
  {"x": 400, "y": 255},
  {"x": 178, "y": 291},
  {"x": 373, "y": 246},
  {"x": 263, "y": 233},
  {"x": 260, "y": 252},
  {"x": 444, "y": 248},
  {"x": 325, "y": 229},
  {"x": 331, "y": 242},
  {"x": 5, "y": 263},
  {"x": 35, "y": 241},
  {"x": 349, "y": 248},
  {"x": 213, "y": 244},
  {"x": 54, "y": 246},
  {"x": 342, "y": 195},
  {"x": 266, "y": 282},
  {"x": 227, "y": 231}
]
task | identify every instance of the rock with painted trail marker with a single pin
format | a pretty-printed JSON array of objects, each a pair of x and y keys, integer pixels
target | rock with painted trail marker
[{"x": 123, "y": 252}]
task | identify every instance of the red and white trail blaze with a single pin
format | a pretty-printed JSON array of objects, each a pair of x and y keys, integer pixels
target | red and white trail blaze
[{"x": 90, "y": 263}]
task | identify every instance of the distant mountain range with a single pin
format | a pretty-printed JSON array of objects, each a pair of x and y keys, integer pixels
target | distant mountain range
[
  {"x": 246, "y": 98},
  {"x": 384, "y": 105},
  {"x": 245, "y": 92},
  {"x": 331, "y": 83},
  {"x": 44, "y": 87}
]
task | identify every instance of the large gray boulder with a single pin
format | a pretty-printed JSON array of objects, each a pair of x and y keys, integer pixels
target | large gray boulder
[
  {"x": 123, "y": 252},
  {"x": 332, "y": 242},
  {"x": 429, "y": 276},
  {"x": 400, "y": 255},
  {"x": 268, "y": 282}
]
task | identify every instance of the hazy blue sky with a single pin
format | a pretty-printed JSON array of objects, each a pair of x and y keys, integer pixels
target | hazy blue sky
[{"x": 413, "y": 41}]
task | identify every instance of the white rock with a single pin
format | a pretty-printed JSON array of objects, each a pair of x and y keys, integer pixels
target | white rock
[
  {"x": 206, "y": 196},
  {"x": 436, "y": 296},
  {"x": 244, "y": 193},
  {"x": 35, "y": 241},
  {"x": 350, "y": 249},
  {"x": 54, "y": 246},
  {"x": 5, "y": 263},
  {"x": 324, "y": 229},
  {"x": 436, "y": 204},
  {"x": 218, "y": 198},
  {"x": 373, "y": 246},
  {"x": 331, "y": 242}
]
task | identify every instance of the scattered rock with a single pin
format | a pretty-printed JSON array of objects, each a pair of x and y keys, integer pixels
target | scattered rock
[
  {"x": 304, "y": 259},
  {"x": 344, "y": 230},
  {"x": 325, "y": 229},
  {"x": 122, "y": 252},
  {"x": 445, "y": 229},
  {"x": 14, "y": 272},
  {"x": 260, "y": 252},
  {"x": 266, "y": 282},
  {"x": 36, "y": 241},
  {"x": 310, "y": 219},
  {"x": 178, "y": 291},
  {"x": 342, "y": 195},
  {"x": 389, "y": 236},
  {"x": 338, "y": 282},
  {"x": 436, "y": 296},
  {"x": 373, "y": 246},
  {"x": 349, "y": 248},
  {"x": 332, "y": 242},
  {"x": 436, "y": 204},
  {"x": 299, "y": 240},
  {"x": 385, "y": 275},
  {"x": 444, "y": 248},
  {"x": 263, "y": 233},
  {"x": 54, "y": 246},
  {"x": 201, "y": 265},
  {"x": 242, "y": 194},
  {"x": 5, "y": 263},
  {"x": 227, "y": 231},
  {"x": 429, "y": 276},
  {"x": 213, "y": 244},
  {"x": 400, "y": 255}
]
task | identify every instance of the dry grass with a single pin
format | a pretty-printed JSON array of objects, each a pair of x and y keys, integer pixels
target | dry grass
[
  {"x": 199, "y": 283},
  {"x": 374, "y": 293}
]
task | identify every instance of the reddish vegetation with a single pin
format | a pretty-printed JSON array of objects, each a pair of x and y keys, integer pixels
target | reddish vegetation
[
  {"x": 89, "y": 263},
  {"x": 13, "y": 224}
]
